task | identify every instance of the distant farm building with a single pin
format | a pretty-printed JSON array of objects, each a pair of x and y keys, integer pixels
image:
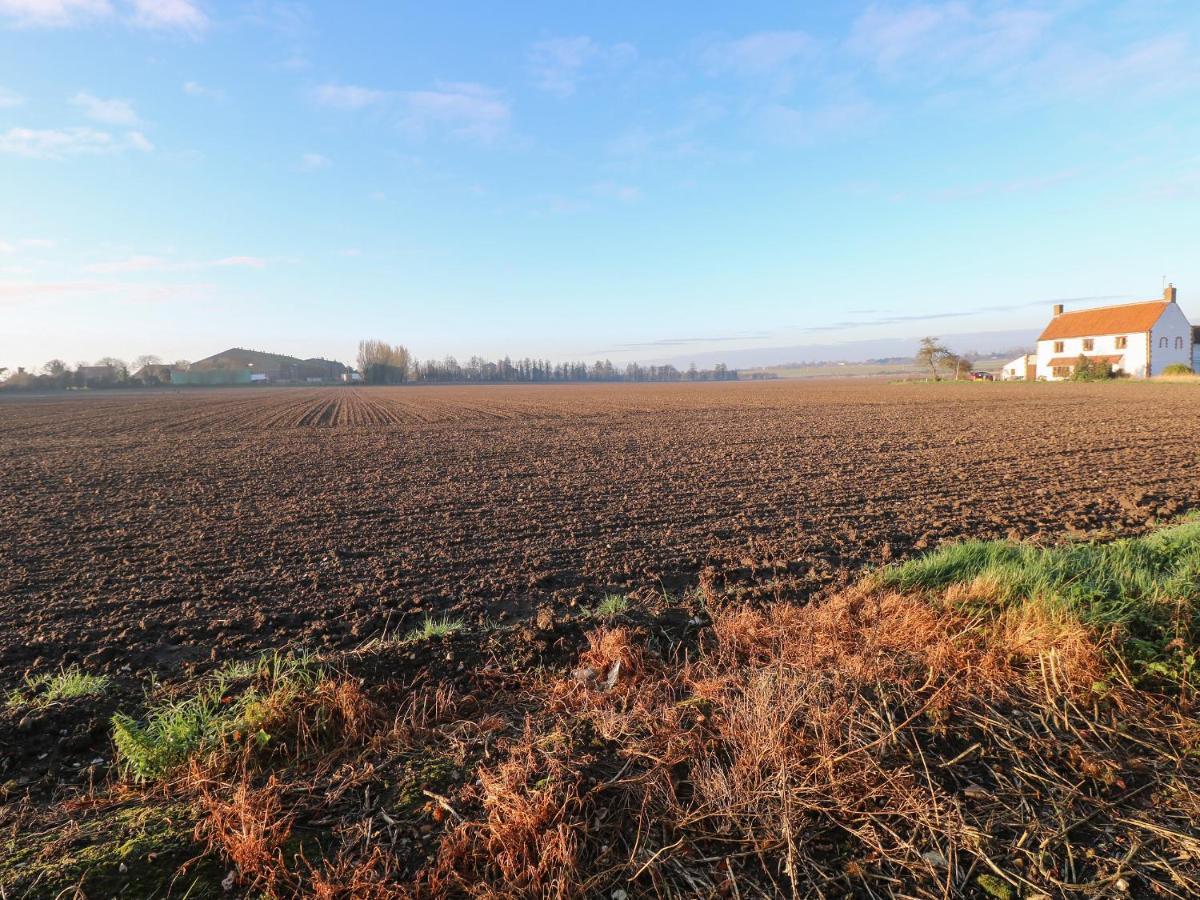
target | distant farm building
[
  {"x": 239, "y": 366},
  {"x": 153, "y": 374},
  {"x": 96, "y": 376},
  {"x": 1137, "y": 339},
  {"x": 1023, "y": 368}
]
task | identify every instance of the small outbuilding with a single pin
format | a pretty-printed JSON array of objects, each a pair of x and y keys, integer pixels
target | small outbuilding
[{"x": 1023, "y": 368}]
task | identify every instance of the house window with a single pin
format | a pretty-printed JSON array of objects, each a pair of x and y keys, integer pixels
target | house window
[
  {"x": 1178, "y": 343},
  {"x": 1162, "y": 343},
  {"x": 1062, "y": 371},
  {"x": 1122, "y": 342},
  {"x": 1089, "y": 344},
  {"x": 1058, "y": 346}
]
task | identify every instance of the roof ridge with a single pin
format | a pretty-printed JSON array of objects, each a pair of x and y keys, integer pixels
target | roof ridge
[{"x": 1115, "y": 305}]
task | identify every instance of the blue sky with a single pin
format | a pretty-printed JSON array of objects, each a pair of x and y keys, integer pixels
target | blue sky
[{"x": 631, "y": 180}]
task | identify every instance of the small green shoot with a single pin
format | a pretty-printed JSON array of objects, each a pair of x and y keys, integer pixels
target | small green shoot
[
  {"x": 611, "y": 606},
  {"x": 432, "y": 629},
  {"x": 41, "y": 691}
]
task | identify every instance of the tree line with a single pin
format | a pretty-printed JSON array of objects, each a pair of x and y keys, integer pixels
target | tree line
[
  {"x": 108, "y": 372},
  {"x": 382, "y": 363},
  {"x": 378, "y": 362}
]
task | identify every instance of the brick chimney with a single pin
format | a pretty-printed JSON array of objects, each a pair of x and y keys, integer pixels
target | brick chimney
[
  {"x": 1058, "y": 308},
  {"x": 1169, "y": 294}
]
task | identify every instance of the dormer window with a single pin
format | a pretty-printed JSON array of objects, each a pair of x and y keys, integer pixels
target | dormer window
[
  {"x": 1058, "y": 346},
  {"x": 1122, "y": 342},
  {"x": 1089, "y": 344}
]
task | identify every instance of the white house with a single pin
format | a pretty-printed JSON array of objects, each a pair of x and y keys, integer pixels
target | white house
[
  {"x": 1139, "y": 339},
  {"x": 1023, "y": 368}
]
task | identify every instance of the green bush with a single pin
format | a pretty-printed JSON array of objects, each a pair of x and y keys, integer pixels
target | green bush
[
  {"x": 1178, "y": 369},
  {"x": 1087, "y": 369}
]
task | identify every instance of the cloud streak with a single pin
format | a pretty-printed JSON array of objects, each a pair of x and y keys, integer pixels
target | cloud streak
[
  {"x": 458, "y": 109},
  {"x": 55, "y": 13},
  {"x": 13, "y": 294},
  {"x": 558, "y": 64},
  {"x": 147, "y": 263},
  {"x": 110, "y": 112},
  {"x": 956, "y": 314},
  {"x": 156, "y": 15},
  {"x": 60, "y": 143},
  {"x": 776, "y": 56}
]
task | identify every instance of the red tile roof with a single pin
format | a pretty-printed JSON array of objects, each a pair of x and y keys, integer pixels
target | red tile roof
[
  {"x": 1072, "y": 360},
  {"x": 1128, "y": 318}
]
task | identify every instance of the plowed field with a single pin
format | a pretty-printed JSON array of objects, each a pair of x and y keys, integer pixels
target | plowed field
[{"x": 155, "y": 530}]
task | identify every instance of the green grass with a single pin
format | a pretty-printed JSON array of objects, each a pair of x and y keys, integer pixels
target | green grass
[
  {"x": 432, "y": 628},
  {"x": 41, "y": 691},
  {"x": 1145, "y": 591},
  {"x": 611, "y": 606},
  {"x": 233, "y": 699}
]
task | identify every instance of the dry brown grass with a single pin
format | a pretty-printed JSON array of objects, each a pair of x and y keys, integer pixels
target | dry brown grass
[
  {"x": 246, "y": 825},
  {"x": 870, "y": 743},
  {"x": 874, "y": 744}
]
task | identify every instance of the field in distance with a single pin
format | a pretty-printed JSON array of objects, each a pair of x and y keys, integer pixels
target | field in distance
[{"x": 898, "y": 370}]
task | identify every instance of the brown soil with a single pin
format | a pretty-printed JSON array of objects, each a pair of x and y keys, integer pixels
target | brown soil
[{"x": 159, "y": 531}]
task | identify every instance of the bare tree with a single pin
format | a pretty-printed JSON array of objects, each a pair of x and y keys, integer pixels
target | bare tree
[
  {"x": 382, "y": 363},
  {"x": 55, "y": 368},
  {"x": 930, "y": 354},
  {"x": 181, "y": 364},
  {"x": 146, "y": 359},
  {"x": 119, "y": 366}
]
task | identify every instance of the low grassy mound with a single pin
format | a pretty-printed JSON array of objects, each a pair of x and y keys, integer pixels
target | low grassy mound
[
  {"x": 1142, "y": 595},
  {"x": 993, "y": 720}
]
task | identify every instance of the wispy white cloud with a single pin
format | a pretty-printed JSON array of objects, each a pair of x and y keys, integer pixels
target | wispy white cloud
[
  {"x": 138, "y": 141},
  {"x": 626, "y": 193},
  {"x": 58, "y": 143},
  {"x": 558, "y": 63},
  {"x": 775, "y": 55},
  {"x": 196, "y": 89},
  {"x": 348, "y": 96},
  {"x": 10, "y": 99},
  {"x": 805, "y": 125},
  {"x": 313, "y": 162},
  {"x": 461, "y": 109},
  {"x": 172, "y": 15},
  {"x": 245, "y": 262},
  {"x": 19, "y": 293},
  {"x": 147, "y": 263},
  {"x": 1158, "y": 65},
  {"x": 55, "y": 13},
  {"x": 110, "y": 112},
  {"x": 10, "y": 247},
  {"x": 947, "y": 38},
  {"x": 159, "y": 15}
]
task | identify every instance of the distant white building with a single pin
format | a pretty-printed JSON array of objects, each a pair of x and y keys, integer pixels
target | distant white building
[
  {"x": 1139, "y": 339},
  {"x": 1023, "y": 368}
]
